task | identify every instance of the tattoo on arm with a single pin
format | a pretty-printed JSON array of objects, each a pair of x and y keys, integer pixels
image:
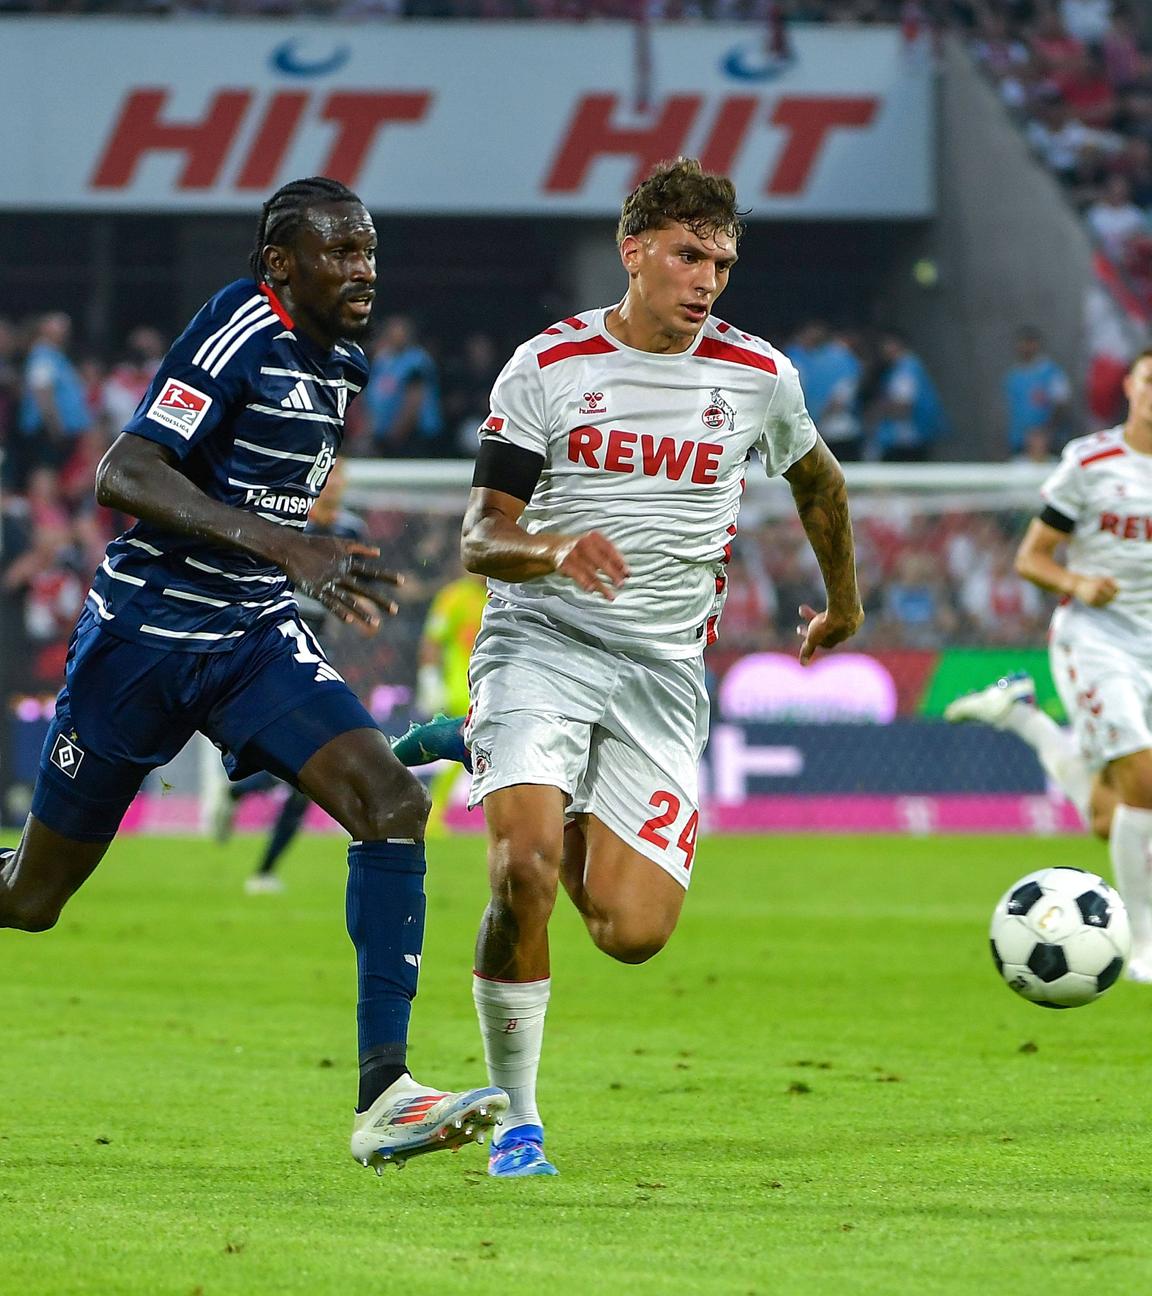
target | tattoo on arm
[{"x": 821, "y": 500}]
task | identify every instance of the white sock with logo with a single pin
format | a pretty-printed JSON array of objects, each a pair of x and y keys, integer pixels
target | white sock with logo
[
  {"x": 511, "y": 1018},
  {"x": 1057, "y": 750},
  {"x": 1129, "y": 844}
]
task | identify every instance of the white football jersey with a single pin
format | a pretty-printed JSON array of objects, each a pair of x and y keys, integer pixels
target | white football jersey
[
  {"x": 1105, "y": 488},
  {"x": 651, "y": 450}
]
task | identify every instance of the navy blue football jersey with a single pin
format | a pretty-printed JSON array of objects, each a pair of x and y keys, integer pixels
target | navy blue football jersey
[{"x": 254, "y": 410}]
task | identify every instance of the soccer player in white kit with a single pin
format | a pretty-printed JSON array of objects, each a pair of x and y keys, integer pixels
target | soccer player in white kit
[
  {"x": 603, "y": 510},
  {"x": 1098, "y": 503}
]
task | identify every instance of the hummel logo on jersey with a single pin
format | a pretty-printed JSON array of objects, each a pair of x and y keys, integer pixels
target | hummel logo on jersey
[
  {"x": 593, "y": 403},
  {"x": 66, "y": 756},
  {"x": 180, "y": 408},
  {"x": 718, "y": 413},
  {"x": 298, "y": 398}
]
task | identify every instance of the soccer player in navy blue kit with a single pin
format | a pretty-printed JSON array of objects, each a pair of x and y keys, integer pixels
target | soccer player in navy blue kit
[{"x": 191, "y": 624}]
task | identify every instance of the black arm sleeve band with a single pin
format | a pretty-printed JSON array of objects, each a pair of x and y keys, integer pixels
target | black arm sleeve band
[
  {"x": 1056, "y": 520},
  {"x": 507, "y": 468}
]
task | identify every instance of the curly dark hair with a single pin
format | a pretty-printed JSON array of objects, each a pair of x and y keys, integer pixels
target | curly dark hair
[{"x": 682, "y": 191}]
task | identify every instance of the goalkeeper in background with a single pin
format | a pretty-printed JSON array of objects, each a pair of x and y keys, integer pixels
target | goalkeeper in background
[{"x": 442, "y": 679}]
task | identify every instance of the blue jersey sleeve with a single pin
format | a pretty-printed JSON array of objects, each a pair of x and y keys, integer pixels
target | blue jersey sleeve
[{"x": 209, "y": 370}]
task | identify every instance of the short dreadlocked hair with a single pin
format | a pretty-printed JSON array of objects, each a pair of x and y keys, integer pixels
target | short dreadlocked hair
[
  {"x": 682, "y": 192},
  {"x": 282, "y": 216}
]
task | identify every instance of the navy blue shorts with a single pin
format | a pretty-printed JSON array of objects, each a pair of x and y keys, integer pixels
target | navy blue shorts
[{"x": 126, "y": 708}]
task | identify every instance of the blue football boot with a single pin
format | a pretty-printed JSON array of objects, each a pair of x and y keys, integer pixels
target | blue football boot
[{"x": 519, "y": 1153}]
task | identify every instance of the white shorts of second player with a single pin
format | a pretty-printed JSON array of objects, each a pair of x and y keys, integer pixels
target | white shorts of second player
[
  {"x": 621, "y": 736},
  {"x": 1107, "y": 694}
]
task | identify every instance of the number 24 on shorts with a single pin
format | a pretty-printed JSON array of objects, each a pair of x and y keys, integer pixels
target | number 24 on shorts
[{"x": 667, "y": 807}]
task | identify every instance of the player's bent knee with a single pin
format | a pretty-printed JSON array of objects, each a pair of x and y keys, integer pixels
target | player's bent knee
[
  {"x": 397, "y": 808},
  {"x": 629, "y": 939},
  {"x": 627, "y": 947},
  {"x": 29, "y": 916}
]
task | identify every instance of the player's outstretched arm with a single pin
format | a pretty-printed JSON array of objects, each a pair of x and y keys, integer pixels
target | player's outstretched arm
[
  {"x": 821, "y": 500},
  {"x": 137, "y": 477},
  {"x": 1036, "y": 561},
  {"x": 493, "y": 543}
]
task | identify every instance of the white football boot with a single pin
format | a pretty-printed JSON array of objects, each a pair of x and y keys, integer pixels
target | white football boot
[
  {"x": 263, "y": 884},
  {"x": 1139, "y": 970},
  {"x": 993, "y": 705},
  {"x": 409, "y": 1119}
]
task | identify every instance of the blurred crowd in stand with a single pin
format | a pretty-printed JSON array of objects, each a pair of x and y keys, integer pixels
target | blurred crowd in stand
[{"x": 928, "y": 580}]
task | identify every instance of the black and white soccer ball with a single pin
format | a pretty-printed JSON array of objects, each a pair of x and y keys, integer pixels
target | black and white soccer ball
[{"x": 1060, "y": 937}]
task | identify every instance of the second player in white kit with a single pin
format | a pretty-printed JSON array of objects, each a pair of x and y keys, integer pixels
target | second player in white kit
[
  {"x": 603, "y": 512},
  {"x": 1098, "y": 504}
]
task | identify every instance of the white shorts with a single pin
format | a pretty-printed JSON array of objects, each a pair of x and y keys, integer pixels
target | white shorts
[
  {"x": 1107, "y": 694},
  {"x": 621, "y": 736}
]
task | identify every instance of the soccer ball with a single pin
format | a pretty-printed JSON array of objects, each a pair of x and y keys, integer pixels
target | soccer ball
[{"x": 1060, "y": 937}]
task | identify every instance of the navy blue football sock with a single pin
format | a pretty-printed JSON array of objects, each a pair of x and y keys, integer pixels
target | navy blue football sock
[
  {"x": 286, "y": 827},
  {"x": 385, "y": 910}
]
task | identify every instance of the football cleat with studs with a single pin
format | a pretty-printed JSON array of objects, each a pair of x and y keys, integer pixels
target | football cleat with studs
[
  {"x": 993, "y": 705},
  {"x": 520, "y": 1153},
  {"x": 442, "y": 738},
  {"x": 409, "y": 1120}
]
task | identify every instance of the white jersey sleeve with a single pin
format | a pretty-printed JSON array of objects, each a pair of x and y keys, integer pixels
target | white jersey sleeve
[
  {"x": 1064, "y": 489},
  {"x": 788, "y": 432},
  {"x": 517, "y": 406}
]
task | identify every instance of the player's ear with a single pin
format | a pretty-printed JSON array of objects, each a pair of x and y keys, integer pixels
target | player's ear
[
  {"x": 630, "y": 250},
  {"x": 276, "y": 263}
]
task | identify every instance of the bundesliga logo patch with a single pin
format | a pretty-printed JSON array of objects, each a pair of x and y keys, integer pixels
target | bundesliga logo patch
[
  {"x": 66, "y": 756},
  {"x": 180, "y": 408}
]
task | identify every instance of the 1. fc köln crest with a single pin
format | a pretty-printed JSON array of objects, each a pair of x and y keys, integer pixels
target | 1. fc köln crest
[{"x": 719, "y": 413}]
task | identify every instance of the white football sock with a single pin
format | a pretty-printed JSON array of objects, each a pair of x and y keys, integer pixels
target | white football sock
[
  {"x": 1129, "y": 843},
  {"x": 512, "y": 1025},
  {"x": 1057, "y": 751}
]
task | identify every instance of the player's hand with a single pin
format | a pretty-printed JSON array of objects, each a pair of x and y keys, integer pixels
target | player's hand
[
  {"x": 340, "y": 574},
  {"x": 1095, "y": 591},
  {"x": 825, "y": 629},
  {"x": 592, "y": 561}
]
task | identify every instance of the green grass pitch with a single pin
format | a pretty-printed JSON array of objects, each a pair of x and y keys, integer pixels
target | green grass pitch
[{"x": 821, "y": 1086}]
